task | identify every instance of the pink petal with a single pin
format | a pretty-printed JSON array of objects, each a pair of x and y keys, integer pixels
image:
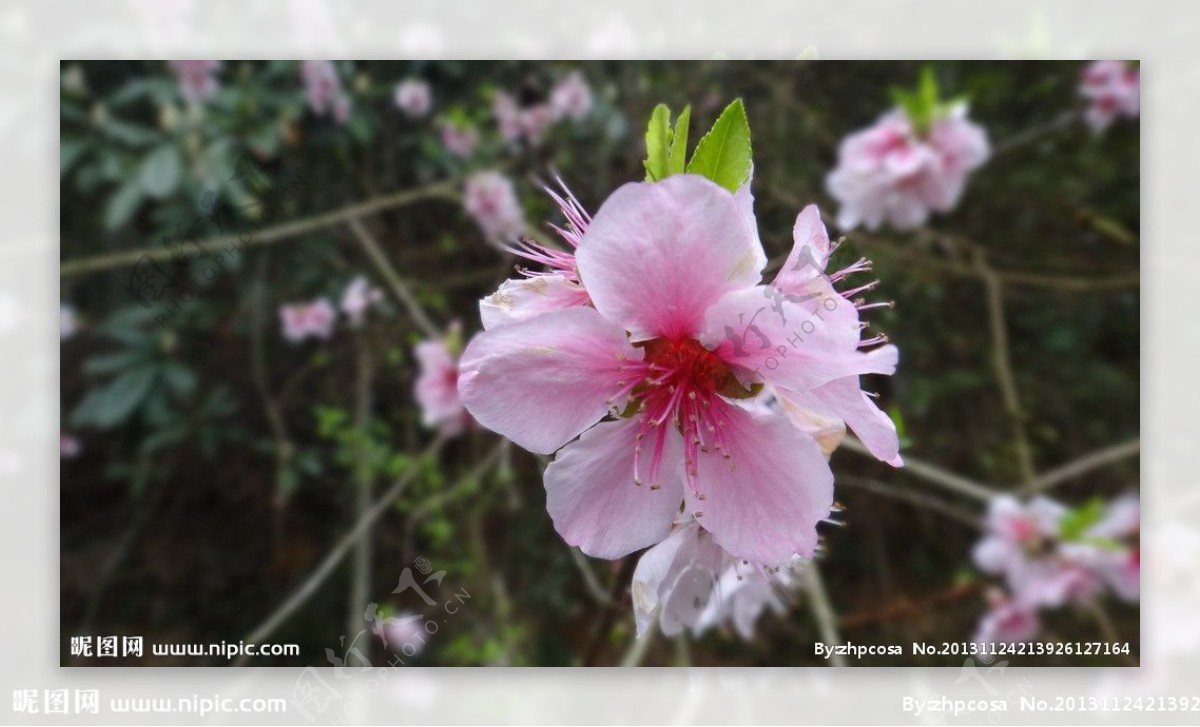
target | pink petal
[
  {"x": 543, "y": 381},
  {"x": 657, "y": 255},
  {"x": 810, "y": 251},
  {"x": 844, "y": 400},
  {"x": 593, "y": 499},
  {"x": 764, "y": 501},
  {"x": 782, "y": 342},
  {"x": 519, "y": 299}
]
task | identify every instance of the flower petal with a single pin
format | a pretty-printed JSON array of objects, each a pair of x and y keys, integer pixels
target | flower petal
[
  {"x": 524, "y": 298},
  {"x": 779, "y": 340},
  {"x": 843, "y": 399},
  {"x": 542, "y": 381},
  {"x": 764, "y": 501},
  {"x": 810, "y": 252},
  {"x": 593, "y": 499},
  {"x": 657, "y": 255}
]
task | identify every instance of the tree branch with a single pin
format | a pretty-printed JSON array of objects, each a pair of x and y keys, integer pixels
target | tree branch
[{"x": 106, "y": 261}]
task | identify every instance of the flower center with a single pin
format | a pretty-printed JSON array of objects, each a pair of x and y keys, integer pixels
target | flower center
[
  {"x": 683, "y": 388},
  {"x": 687, "y": 363}
]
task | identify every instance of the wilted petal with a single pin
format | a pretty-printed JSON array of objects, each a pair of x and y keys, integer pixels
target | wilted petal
[
  {"x": 543, "y": 381},
  {"x": 523, "y": 298}
]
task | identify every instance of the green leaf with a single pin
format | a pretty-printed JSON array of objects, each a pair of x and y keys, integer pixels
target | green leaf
[
  {"x": 1076, "y": 522},
  {"x": 677, "y": 157},
  {"x": 723, "y": 155},
  {"x": 117, "y": 400},
  {"x": 122, "y": 205},
  {"x": 70, "y": 150},
  {"x": 109, "y": 363},
  {"x": 180, "y": 379},
  {"x": 161, "y": 172},
  {"x": 658, "y": 141}
]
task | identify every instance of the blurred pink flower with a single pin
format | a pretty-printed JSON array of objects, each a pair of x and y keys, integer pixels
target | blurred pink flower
[
  {"x": 1026, "y": 545},
  {"x": 458, "y": 140},
  {"x": 197, "y": 79},
  {"x": 490, "y": 198},
  {"x": 413, "y": 97},
  {"x": 508, "y": 117},
  {"x": 314, "y": 319},
  {"x": 436, "y": 388},
  {"x": 1007, "y": 621},
  {"x": 324, "y": 90},
  {"x": 536, "y": 120},
  {"x": 680, "y": 335},
  {"x": 1112, "y": 89},
  {"x": 889, "y": 173},
  {"x": 689, "y": 582},
  {"x": 69, "y": 446},
  {"x": 405, "y": 633},
  {"x": 358, "y": 298},
  {"x": 68, "y": 322},
  {"x": 571, "y": 97}
]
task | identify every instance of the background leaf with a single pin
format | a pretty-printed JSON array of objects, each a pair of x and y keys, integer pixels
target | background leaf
[{"x": 723, "y": 155}]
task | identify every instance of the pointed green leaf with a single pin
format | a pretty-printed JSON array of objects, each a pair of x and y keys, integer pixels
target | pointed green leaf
[
  {"x": 1075, "y": 523},
  {"x": 161, "y": 172},
  {"x": 723, "y": 155},
  {"x": 658, "y": 140},
  {"x": 677, "y": 157},
  {"x": 121, "y": 205}
]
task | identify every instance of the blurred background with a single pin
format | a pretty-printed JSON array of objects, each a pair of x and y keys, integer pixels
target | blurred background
[{"x": 212, "y": 467}]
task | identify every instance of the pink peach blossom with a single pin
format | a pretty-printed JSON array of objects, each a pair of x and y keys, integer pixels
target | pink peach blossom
[
  {"x": 405, "y": 633},
  {"x": 571, "y": 97},
  {"x": 652, "y": 375},
  {"x": 436, "y": 388},
  {"x": 358, "y": 298},
  {"x": 490, "y": 198},
  {"x": 413, "y": 97},
  {"x": 536, "y": 121},
  {"x": 323, "y": 88},
  {"x": 458, "y": 139},
  {"x": 68, "y": 322},
  {"x": 689, "y": 582},
  {"x": 69, "y": 446},
  {"x": 890, "y": 173},
  {"x": 1025, "y": 544},
  {"x": 508, "y": 117},
  {"x": 1112, "y": 89},
  {"x": 197, "y": 79},
  {"x": 314, "y": 319},
  {"x": 1007, "y": 621}
]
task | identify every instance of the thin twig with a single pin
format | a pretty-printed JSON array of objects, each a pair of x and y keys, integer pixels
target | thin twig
[
  {"x": 364, "y": 480},
  {"x": 319, "y": 574},
  {"x": 1086, "y": 464},
  {"x": 284, "y": 450},
  {"x": 1062, "y": 121},
  {"x": 594, "y": 589},
  {"x": 822, "y": 610},
  {"x": 640, "y": 646},
  {"x": 395, "y": 282},
  {"x": 1002, "y": 361},
  {"x": 932, "y": 474},
  {"x": 912, "y": 498},
  {"x": 106, "y": 261}
]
